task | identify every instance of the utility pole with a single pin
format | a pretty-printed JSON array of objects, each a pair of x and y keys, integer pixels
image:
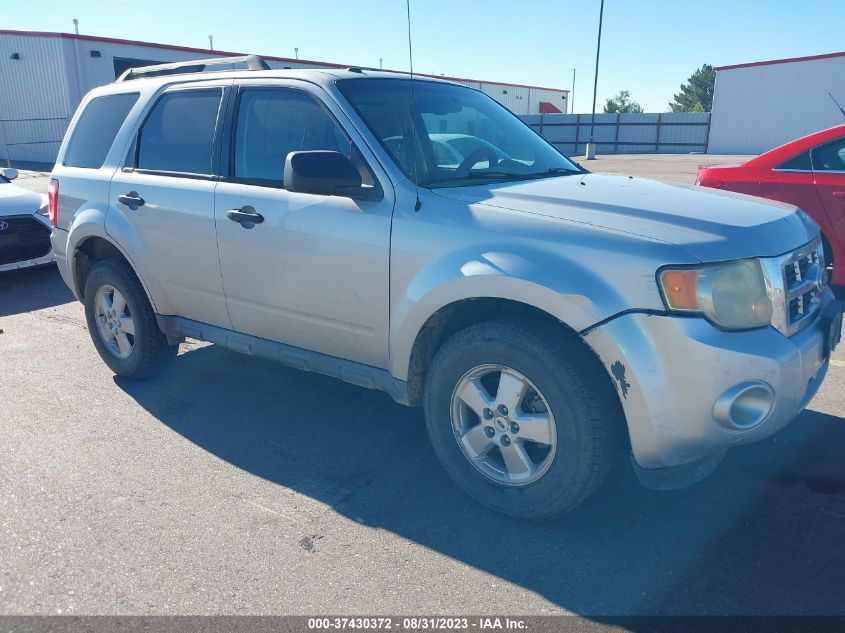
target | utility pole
[
  {"x": 76, "y": 25},
  {"x": 296, "y": 52},
  {"x": 211, "y": 42},
  {"x": 591, "y": 147},
  {"x": 572, "y": 95}
]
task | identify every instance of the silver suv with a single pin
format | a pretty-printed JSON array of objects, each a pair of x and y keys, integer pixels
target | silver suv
[{"x": 412, "y": 235}]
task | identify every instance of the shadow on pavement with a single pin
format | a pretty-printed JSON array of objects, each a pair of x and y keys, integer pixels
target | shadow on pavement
[
  {"x": 32, "y": 289},
  {"x": 762, "y": 535}
]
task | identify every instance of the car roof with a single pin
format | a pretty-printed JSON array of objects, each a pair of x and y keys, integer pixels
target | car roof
[
  {"x": 319, "y": 76},
  {"x": 788, "y": 150}
]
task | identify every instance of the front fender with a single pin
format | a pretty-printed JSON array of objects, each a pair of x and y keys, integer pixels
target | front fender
[{"x": 566, "y": 289}]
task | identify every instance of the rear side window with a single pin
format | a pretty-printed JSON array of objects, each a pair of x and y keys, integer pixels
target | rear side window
[
  {"x": 94, "y": 133},
  {"x": 178, "y": 135},
  {"x": 801, "y": 162}
]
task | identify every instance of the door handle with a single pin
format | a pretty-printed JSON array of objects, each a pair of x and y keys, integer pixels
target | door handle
[
  {"x": 839, "y": 194},
  {"x": 246, "y": 216},
  {"x": 131, "y": 200}
]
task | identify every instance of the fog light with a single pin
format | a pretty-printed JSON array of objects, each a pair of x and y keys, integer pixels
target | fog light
[{"x": 744, "y": 406}]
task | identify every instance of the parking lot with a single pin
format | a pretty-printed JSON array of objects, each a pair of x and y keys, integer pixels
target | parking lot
[{"x": 239, "y": 486}]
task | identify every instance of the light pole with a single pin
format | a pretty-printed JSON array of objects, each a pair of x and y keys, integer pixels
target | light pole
[
  {"x": 591, "y": 147},
  {"x": 296, "y": 52},
  {"x": 380, "y": 66},
  {"x": 211, "y": 42},
  {"x": 572, "y": 95},
  {"x": 76, "y": 25}
]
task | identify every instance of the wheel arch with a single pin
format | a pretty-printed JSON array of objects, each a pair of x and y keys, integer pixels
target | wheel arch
[
  {"x": 458, "y": 315},
  {"x": 93, "y": 248}
]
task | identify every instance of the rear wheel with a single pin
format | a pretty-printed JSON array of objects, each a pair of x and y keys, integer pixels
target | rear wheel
[
  {"x": 527, "y": 424},
  {"x": 122, "y": 323}
]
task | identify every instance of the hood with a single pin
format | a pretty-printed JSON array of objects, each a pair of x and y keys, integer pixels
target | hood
[
  {"x": 17, "y": 201},
  {"x": 711, "y": 225}
]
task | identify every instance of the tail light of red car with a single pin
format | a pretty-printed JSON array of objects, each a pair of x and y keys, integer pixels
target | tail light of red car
[{"x": 53, "y": 201}]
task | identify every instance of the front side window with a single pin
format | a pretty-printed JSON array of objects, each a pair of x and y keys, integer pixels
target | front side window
[
  {"x": 830, "y": 156},
  {"x": 271, "y": 123},
  {"x": 444, "y": 135},
  {"x": 94, "y": 133},
  {"x": 178, "y": 135}
]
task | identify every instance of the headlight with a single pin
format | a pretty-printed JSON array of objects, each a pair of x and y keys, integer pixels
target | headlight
[{"x": 731, "y": 295}]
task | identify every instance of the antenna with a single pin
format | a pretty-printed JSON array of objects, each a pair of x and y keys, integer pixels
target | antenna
[
  {"x": 837, "y": 104},
  {"x": 417, "y": 204}
]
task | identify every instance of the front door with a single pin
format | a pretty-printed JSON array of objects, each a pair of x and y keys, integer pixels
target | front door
[
  {"x": 829, "y": 174},
  {"x": 162, "y": 205},
  {"x": 315, "y": 272}
]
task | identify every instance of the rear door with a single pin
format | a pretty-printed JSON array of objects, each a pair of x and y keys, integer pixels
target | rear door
[
  {"x": 315, "y": 273},
  {"x": 829, "y": 175},
  {"x": 162, "y": 202},
  {"x": 792, "y": 182}
]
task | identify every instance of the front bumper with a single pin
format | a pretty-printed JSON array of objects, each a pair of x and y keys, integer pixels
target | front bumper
[
  {"x": 29, "y": 263},
  {"x": 673, "y": 375},
  {"x": 32, "y": 247}
]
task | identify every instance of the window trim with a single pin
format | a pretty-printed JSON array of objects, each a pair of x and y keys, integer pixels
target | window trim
[
  {"x": 131, "y": 163},
  {"x": 227, "y": 167},
  {"x": 73, "y": 133}
]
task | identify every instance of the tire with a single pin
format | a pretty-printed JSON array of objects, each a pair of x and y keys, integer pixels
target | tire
[
  {"x": 585, "y": 435},
  {"x": 148, "y": 353}
]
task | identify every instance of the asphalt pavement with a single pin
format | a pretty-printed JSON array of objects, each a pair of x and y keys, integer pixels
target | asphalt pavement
[{"x": 238, "y": 486}]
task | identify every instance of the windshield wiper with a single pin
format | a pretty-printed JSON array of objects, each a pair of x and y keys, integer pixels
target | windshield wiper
[{"x": 497, "y": 175}]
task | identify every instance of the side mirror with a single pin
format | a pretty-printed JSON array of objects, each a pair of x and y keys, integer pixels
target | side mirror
[
  {"x": 323, "y": 173},
  {"x": 10, "y": 173}
]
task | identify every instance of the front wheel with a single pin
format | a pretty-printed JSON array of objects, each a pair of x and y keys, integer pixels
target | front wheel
[
  {"x": 122, "y": 323},
  {"x": 525, "y": 423}
]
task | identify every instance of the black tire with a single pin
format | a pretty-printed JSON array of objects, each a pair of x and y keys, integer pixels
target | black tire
[
  {"x": 151, "y": 352},
  {"x": 588, "y": 417}
]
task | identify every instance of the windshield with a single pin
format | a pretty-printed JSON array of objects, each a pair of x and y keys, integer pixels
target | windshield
[{"x": 449, "y": 136}]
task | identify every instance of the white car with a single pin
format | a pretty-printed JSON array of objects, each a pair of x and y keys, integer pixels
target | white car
[{"x": 24, "y": 226}]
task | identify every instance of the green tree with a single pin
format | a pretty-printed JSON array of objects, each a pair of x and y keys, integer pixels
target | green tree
[
  {"x": 622, "y": 103},
  {"x": 697, "y": 94}
]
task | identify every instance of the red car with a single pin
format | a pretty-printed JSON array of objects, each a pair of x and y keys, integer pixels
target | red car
[{"x": 809, "y": 173}]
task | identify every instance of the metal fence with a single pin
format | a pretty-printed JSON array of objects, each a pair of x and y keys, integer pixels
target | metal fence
[
  {"x": 38, "y": 140},
  {"x": 34, "y": 140},
  {"x": 628, "y": 133}
]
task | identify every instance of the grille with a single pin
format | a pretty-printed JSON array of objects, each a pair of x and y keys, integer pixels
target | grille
[
  {"x": 24, "y": 238},
  {"x": 803, "y": 274}
]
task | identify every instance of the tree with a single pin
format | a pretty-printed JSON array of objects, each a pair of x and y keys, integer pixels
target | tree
[
  {"x": 697, "y": 94},
  {"x": 622, "y": 103}
]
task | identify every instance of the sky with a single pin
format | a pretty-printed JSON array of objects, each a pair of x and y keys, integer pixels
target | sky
[{"x": 649, "y": 47}]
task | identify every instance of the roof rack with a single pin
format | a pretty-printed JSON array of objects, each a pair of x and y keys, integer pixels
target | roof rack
[{"x": 252, "y": 62}]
